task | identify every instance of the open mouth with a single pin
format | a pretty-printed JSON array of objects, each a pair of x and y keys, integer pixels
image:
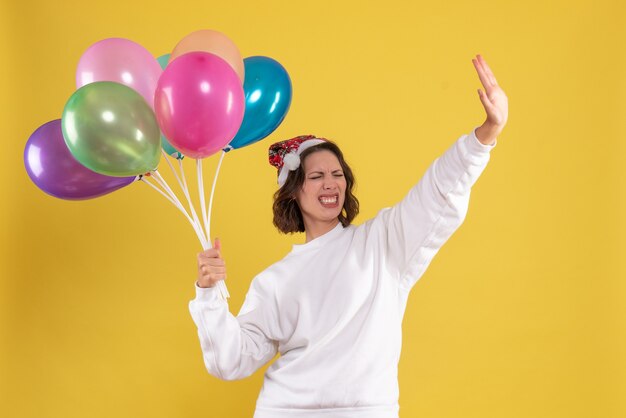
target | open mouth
[{"x": 329, "y": 201}]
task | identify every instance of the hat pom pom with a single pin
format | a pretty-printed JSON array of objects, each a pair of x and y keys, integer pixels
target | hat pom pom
[{"x": 291, "y": 161}]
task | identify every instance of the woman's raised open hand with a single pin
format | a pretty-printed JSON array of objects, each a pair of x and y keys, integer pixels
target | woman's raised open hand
[{"x": 494, "y": 101}]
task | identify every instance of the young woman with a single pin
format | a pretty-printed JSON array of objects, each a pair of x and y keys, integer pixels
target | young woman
[{"x": 333, "y": 306}]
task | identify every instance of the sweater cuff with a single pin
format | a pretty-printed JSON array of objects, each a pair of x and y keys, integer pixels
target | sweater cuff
[
  {"x": 206, "y": 294},
  {"x": 477, "y": 147}
]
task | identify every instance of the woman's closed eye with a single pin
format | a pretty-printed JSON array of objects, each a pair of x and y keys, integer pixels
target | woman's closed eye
[{"x": 316, "y": 176}]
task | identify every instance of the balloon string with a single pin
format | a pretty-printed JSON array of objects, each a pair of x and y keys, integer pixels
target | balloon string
[
  {"x": 202, "y": 200},
  {"x": 182, "y": 174},
  {"x": 221, "y": 284},
  {"x": 172, "y": 168},
  {"x": 217, "y": 172},
  {"x": 163, "y": 183},
  {"x": 184, "y": 187},
  {"x": 195, "y": 223},
  {"x": 178, "y": 206},
  {"x": 223, "y": 292},
  {"x": 145, "y": 180},
  {"x": 186, "y": 193}
]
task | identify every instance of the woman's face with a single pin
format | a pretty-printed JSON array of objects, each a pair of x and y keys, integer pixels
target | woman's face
[{"x": 324, "y": 189}]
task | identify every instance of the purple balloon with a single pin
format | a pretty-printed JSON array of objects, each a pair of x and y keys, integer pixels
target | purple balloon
[
  {"x": 123, "y": 61},
  {"x": 53, "y": 169}
]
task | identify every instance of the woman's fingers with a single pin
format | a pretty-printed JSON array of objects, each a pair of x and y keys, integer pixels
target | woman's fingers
[
  {"x": 485, "y": 75},
  {"x": 212, "y": 270},
  {"x": 211, "y": 261},
  {"x": 210, "y": 279},
  {"x": 482, "y": 75},
  {"x": 211, "y": 266},
  {"x": 487, "y": 70},
  {"x": 485, "y": 101},
  {"x": 209, "y": 275},
  {"x": 210, "y": 253},
  {"x": 212, "y": 273}
]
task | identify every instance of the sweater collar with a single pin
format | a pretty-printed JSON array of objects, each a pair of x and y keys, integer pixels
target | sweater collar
[{"x": 319, "y": 241}]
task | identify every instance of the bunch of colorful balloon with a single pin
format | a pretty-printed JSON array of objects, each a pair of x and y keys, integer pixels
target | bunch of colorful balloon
[{"x": 131, "y": 108}]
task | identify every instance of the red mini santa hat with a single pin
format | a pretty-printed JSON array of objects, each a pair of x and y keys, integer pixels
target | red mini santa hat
[{"x": 285, "y": 155}]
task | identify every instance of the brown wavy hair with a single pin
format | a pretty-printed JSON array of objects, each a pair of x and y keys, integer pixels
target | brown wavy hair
[{"x": 287, "y": 215}]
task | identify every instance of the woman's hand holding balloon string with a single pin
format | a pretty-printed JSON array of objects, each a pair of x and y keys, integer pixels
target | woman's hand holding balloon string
[
  {"x": 494, "y": 101},
  {"x": 211, "y": 266}
]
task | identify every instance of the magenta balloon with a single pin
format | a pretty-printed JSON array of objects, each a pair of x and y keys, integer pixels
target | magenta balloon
[
  {"x": 122, "y": 61},
  {"x": 199, "y": 104},
  {"x": 53, "y": 169}
]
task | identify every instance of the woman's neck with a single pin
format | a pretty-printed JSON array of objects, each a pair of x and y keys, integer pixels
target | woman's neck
[{"x": 318, "y": 228}]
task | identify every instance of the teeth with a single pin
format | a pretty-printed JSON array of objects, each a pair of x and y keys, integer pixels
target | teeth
[{"x": 328, "y": 200}]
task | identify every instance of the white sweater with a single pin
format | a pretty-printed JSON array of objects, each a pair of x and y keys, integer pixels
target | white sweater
[{"x": 333, "y": 307}]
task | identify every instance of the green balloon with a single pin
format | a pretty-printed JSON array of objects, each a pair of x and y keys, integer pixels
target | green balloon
[
  {"x": 110, "y": 129},
  {"x": 163, "y": 60}
]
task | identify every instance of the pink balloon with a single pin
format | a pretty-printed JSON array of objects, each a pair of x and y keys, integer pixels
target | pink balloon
[
  {"x": 122, "y": 61},
  {"x": 199, "y": 104}
]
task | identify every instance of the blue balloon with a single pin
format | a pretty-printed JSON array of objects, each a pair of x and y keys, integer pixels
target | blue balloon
[
  {"x": 169, "y": 149},
  {"x": 267, "y": 87}
]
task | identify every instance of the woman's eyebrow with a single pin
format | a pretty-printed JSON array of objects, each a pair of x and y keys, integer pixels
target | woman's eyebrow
[{"x": 322, "y": 172}]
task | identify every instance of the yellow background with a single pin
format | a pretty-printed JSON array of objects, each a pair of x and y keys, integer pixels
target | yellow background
[{"x": 522, "y": 313}]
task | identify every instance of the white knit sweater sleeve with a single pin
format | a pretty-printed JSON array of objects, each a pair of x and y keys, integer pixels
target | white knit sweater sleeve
[
  {"x": 232, "y": 347},
  {"x": 417, "y": 227}
]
